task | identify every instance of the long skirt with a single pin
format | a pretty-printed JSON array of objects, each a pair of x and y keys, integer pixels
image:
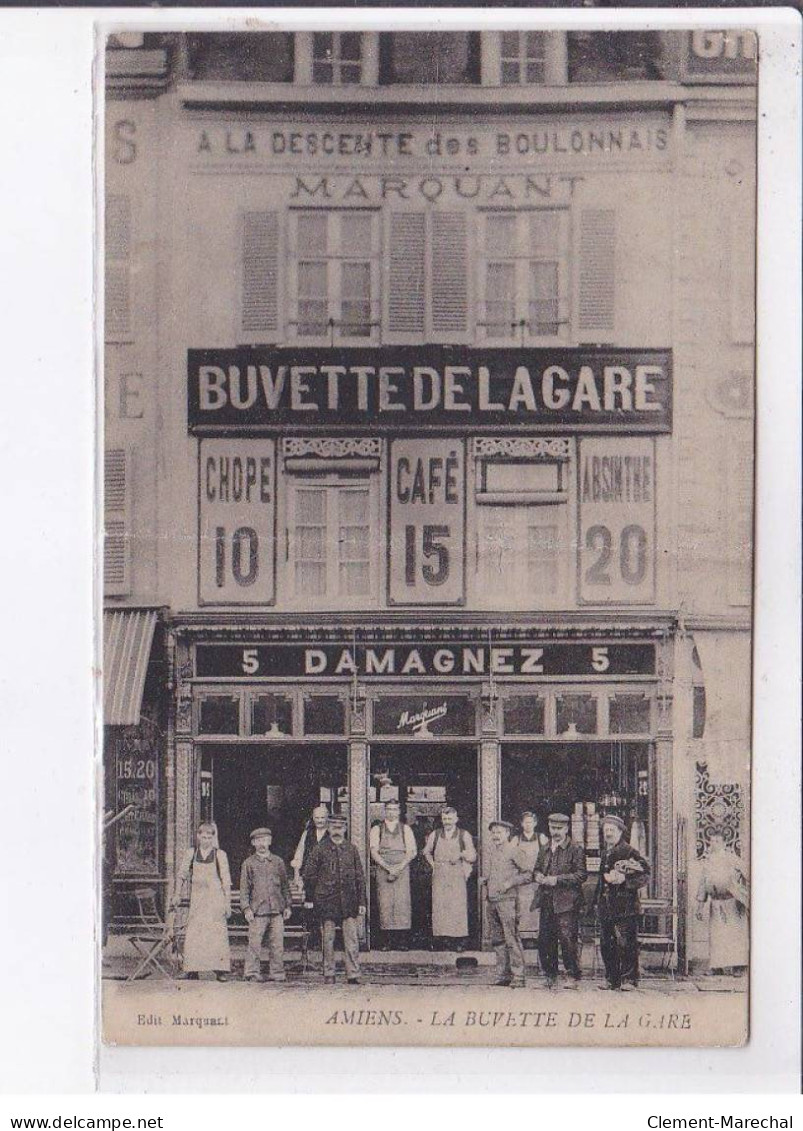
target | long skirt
[
  {"x": 206, "y": 944},
  {"x": 730, "y": 936}
]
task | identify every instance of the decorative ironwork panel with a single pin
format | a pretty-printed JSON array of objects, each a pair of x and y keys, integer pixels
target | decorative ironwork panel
[
  {"x": 718, "y": 809},
  {"x": 331, "y": 447},
  {"x": 518, "y": 447}
]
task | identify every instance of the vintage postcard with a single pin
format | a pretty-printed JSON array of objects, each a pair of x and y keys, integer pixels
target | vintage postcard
[{"x": 428, "y": 509}]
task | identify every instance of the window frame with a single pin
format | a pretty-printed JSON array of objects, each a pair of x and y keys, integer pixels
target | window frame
[
  {"x": 473, "y": 62},
  {"x": 520, "y": 326},
  {"x": 333, "y": 482},
  {"x": 334, "y": 278}
]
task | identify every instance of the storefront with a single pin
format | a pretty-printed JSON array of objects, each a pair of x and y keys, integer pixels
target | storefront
[{"x": 527, "y": 717}]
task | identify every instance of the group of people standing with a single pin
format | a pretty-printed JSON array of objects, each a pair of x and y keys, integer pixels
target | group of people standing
[{"x": 533, "y": 884}]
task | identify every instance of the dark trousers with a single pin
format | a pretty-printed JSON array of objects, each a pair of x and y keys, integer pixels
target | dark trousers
[
  {"x": 619, "y": 945},
  {"x": 559, "y": 931}
]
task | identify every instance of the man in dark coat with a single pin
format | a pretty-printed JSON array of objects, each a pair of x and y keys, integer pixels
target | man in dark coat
[
  {"x": 622, "y": 872},
  {"x": 559, "y": 875},
  {"x": 334, "y": 881}
]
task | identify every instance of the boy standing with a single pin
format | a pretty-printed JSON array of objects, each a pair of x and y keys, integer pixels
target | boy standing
[
  {"x": 507, "y": 870},
  {"x": 265, "y": 901}
]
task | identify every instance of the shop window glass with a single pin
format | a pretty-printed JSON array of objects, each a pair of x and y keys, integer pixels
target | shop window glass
[
  {"x": 430, "y": 57},
  {"x": 219, "y": 714},
  {"x": 417, "y": 716},
  {"x": 629, "y": 714},
  {"x": 615, "y": 56},
  {"x": 337, "y": 58},
  {"x": 523, "y": 57},
  {"x": 576, "y": 714},
  {"x": 525, "y": 276},
  {"x": 337, "y": 275},
  {"x": 241, "y": 56},
  {"x": 324, "y": 714},
  {"x": 272, "y": 715},
  {"x": 524, "y": 714}
]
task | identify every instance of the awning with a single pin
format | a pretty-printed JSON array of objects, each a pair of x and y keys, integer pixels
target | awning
[{"x": 127, "y": 639}]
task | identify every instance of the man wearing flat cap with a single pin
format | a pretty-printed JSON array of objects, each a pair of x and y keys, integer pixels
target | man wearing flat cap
[
  {"x": 623, "y": 871},
  {"x": 334, "y": 881},
  {"x": 559, "y": 875},
  {"x": 265, "y": 902},
  {"x": 507, "y": 869}
]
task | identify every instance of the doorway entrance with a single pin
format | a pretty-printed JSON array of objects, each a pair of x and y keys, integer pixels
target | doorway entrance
[
  {"x": 243, "y": 787},
  {"x": 424, "y": 778}
]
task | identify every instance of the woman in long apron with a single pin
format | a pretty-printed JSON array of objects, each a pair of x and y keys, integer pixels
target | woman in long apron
[
  {"x": 724, "y": 886},
  {"x": 206, "y": 870},
  {"x": 392, "y": 846},
  {"x": 529, "y": 842},
  {"x": 450, "y": 852}
]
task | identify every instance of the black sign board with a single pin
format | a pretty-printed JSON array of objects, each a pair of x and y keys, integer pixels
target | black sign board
[
  {"x": 417, "y": 716},
  {"x": 422, "y": 661},
  {"x": 450, "y": 388}
]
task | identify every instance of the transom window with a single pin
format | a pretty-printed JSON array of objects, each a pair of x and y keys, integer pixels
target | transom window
[
  {"x": 337, "y": 57},
  {"x": 332, "y": 540},
  {"x": 336, "y": 275},
  {"x": 525, "y": 275},
  {"x": 523, "y": 57}
]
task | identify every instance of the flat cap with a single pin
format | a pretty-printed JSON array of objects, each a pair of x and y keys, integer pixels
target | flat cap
[
  {"x": 559, "y": 819},
  {"x": 500, "y": 825},
  {"x": 264, "y": 831},
  {"x": 338, "y": 819},
  {"x": 611, "y": 819}
]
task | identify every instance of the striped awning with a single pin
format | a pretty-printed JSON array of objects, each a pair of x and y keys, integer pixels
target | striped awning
[{"x": 127, "y": 639}]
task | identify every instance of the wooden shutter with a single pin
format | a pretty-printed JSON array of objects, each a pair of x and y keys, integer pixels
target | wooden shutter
[
  {"x": 405, "y": 282},
  {"x": 118, "y": 268},
  {"x": 595, "y": 230},
  {"x": 116, "y": 542},
  {"x": 449, "y": 275},
  {"x": 260, "y": 276}
]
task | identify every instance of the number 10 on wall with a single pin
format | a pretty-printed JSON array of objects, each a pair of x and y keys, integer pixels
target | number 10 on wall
[{"x": 617, "y": 521}]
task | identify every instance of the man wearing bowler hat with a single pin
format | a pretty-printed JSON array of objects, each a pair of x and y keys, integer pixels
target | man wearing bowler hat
[
  {"x": 334, "y": 881},
  {"x": 622, "y": 872},
  {"x": 559, "y": 875},
  {"x": 507, "y": 870}
]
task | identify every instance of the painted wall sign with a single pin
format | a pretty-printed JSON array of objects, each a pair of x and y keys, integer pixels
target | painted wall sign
[
  {"x": 237, "y": 522},
  {"x": 599, "y": 139},
  {"x": 532, "y": 658},
  {"x": 617, "y": 520},
  {"x": 444, "y": 387},
  {"x": 720, "y": 56},
  {"x": 427, "y": 504}
]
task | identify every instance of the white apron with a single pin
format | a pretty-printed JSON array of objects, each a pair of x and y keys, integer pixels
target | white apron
[
  {"x": 729, "y": 925},
  {"x": 529, "y": 921},
  {"x": 449, "y": 896},
  {"x": 393, "y": 895},
  {"x": 206, "y": 944}
]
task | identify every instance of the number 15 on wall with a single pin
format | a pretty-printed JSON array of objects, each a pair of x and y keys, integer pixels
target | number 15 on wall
[{"x": 616, "y": 545}]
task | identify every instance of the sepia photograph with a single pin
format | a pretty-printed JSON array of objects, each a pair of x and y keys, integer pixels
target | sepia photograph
[{"x": 428, "y": 368}]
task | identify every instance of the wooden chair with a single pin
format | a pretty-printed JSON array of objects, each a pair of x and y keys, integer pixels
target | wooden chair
[
  {"x": 657, "y": 930},
  {"x": 155, "y": 941}
]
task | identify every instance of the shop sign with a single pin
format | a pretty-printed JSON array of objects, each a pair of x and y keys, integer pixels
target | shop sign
[
  {"x": 720, "y": 56},
  {"x": 137, "y": 790},
  {"x": 531, "y": 658},
  {"x": 237, "y": 522},
  {"x": 617, "y": 521},
  {"x": 585, "y": 140},
  {"x": 426, "y": 564},
  {"x": 420, "y": 717},
  {"x": 434, "y": 387}
]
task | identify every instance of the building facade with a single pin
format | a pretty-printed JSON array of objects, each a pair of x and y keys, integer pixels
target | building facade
[{"x": 429, "y": 439}]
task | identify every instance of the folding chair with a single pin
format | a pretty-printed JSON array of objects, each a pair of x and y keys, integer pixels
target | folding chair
[{"x": 156, "y": 943}]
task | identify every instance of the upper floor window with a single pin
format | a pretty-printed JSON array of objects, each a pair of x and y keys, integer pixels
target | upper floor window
[
  {"x": 613, "y": 56},
  {"x": 430, "y": 57},
  {"x": 336, "y": 284},
  {"x": 525, "y": 282},
  {"x": 254, "y": 56},
  {"x": 337, "y": 57},
  {"x": 523, "y": 57}
]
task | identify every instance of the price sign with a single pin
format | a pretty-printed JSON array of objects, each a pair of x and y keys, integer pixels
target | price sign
[
  {"x": 237, "y": 522},
  {"x": 617, "y": 521},
  {"x": 427, "y": 522}
]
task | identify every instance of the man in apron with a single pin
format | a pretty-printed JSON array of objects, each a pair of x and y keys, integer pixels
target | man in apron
[
  {"x": 393, "y": 849},
  {"x": 450, "y": 853}
]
